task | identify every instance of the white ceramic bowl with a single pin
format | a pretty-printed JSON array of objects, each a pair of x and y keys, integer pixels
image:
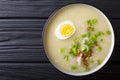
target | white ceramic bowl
[{"x": 107, "y": 57}]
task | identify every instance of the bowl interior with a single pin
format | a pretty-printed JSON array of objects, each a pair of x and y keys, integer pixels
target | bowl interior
[{"x": 105, "y": 60}]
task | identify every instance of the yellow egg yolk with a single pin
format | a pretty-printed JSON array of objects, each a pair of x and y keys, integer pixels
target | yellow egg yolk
[{"x": 66, "y": 29}]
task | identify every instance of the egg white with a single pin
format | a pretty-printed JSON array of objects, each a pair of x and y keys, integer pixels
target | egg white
[{"x": 57, "y": 31}]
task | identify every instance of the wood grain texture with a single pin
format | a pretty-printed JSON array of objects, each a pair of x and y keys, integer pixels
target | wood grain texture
[
  {"x": 36, "y": 71},
  {"x": 22, "y": 56},
  {"x": 43, "y": 8}
]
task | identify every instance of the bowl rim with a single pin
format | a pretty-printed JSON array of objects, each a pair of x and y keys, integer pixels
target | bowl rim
[{"x": 104, "y": 61}]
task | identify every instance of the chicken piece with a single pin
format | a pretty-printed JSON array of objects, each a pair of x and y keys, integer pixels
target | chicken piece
[{"x": 79, "y": 59}]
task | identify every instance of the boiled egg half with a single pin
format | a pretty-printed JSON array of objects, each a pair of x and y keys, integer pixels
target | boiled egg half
[{"x": 65, "y": 30}]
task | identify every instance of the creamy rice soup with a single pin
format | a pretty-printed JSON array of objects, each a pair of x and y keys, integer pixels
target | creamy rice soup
[{"x": 77, "y": 38}]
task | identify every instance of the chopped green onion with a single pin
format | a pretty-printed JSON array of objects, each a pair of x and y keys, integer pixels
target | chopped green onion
[
  {"x": 102, "y": 33},
  {"x": 73, "y": 67},
  {"x": 92, "y": 29},
  {"x": 73, "y": 50},
  {"x": 87, "y": 58},
  {"x": 98, "y": 62},
  {"x": 98, "y": 48},
  {"x": 93, "y": 40},
  {"x": 84, "y": 41},
  {"x": 98, "y": 34},
  {"x": 88, "y": 34},
  {"x": 101, "y": 40},
  {"x": 87, "y": 69},
  {"x": 108, "y": 32},
  {"x": 84, "y": 35},
  {"x": 93, "y": 37},
  {"x": 76, "y": 39},
  {"x": 87, "y": 48},
  {"x": 62, "y": 50},
  {"x": 70, "y": 50},
  {"x": 91, "y": 22},
  {"x": 83, "y": 48},
  {"x": 94, "y": 21},
  {"x": 66, "y": 57}
]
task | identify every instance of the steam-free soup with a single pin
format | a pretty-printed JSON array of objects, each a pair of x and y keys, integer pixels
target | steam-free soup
[{"x": 77, "y": 38}]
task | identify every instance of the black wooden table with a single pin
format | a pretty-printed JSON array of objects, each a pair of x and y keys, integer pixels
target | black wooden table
[{"x": 22, "y": 55}]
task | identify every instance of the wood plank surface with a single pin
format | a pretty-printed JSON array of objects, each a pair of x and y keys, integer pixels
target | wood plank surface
[
  {"x": 22, "y": 55},
  {"x": 43, "y": 8},
  {"x": 36, "y": 71}
]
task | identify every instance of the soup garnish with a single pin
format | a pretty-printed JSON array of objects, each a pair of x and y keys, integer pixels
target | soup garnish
[
  {"x": 108, "y": 32},
  {"x": 66, "y": 57},
  {"x": 98, "y": 62},
  {"x": 73, "y": 67},
  {"x": 84, "y": 46},
  {"x": 62, "y": 50}
]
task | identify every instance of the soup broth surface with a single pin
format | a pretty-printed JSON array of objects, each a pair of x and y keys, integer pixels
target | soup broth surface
[{"x": 78, "y": 15}]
